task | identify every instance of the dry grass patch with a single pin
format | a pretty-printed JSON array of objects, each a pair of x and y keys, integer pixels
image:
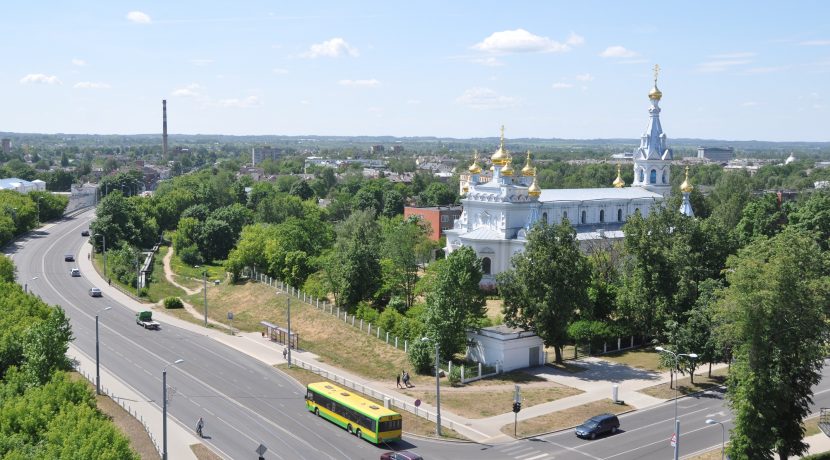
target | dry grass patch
[
  {"x": 642, "y": 358},
  {"x": 411, "y": 423},
  {"x": 319, "y": 332},
  {"x": 130, "y": 427},
  {"x": 684, "y": 385},
  {"x": 564, "y": 419},
  {"x": 493, "y": 307},
  {"x": 203, "y": 453},
  {"x": 483, "y": 402},
  {"x": 713, "y": 454}
]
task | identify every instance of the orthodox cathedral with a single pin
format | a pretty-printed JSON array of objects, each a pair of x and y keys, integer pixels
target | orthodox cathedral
[{"x": 500, "y": 209}]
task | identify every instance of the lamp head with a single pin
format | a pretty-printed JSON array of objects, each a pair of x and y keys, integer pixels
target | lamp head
[
  {"x": 692, "y": 355},
  {"x": 659, "y": 348},
  {"x": 424, "y": 339}
]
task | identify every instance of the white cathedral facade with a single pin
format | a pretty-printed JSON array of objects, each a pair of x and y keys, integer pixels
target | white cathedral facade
[{"x": 500, "y": 210}]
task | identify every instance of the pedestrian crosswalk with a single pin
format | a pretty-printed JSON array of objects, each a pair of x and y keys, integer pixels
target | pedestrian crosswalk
[{"x": 522, "y": 451}]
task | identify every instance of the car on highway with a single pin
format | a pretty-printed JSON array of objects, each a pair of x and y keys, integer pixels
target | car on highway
[
  {"x": 95, "y": 292},
  {"x": 74, "y": 272},
  {"x": 69, "y": 258},
  {"x": 400, "y": 455},
  {"x": 597, "y": 425},
  {"x": 85, "y": 233}
]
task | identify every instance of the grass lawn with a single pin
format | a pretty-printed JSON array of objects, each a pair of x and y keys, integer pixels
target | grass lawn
[
  {"x": 411, "y": 423},
  {"x": 684, "y": 386},
  {"x": 319, "y": 332},
  {"x": 564, "y": 419},
  {"x": 191, "y": 277},
  {"x": 484, "y": 401},
  {"x": 641, "y": 358},
  {"x": 158, "y": 287}
]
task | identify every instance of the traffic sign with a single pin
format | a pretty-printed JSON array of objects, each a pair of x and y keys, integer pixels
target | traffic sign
[
  {"x": 261, "y": 450},
  {"x": 674, "y": 439},
  {"x": 417, "y": 403}
]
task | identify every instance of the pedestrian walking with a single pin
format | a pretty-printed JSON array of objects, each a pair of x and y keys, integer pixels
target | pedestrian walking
[
  {"x": 398, "y": 380},
  {"x": 109, "y": 281},
  {"x": 406, "y": 379},
  {"x": 199, "y": 426},
  {"x": 285, "y": 353}
]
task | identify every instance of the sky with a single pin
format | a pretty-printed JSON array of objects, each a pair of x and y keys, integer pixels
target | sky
[{"x": 738, "y": 70}]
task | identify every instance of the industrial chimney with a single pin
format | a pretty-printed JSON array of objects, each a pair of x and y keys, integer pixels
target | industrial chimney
[{"x": 164, "y": 128}]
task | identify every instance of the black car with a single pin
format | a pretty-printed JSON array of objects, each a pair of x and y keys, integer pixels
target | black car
[
  {"x": 69, "y": 258},
  {"x": 85, "y": 233},
  {"x": 597, "y": 425}
]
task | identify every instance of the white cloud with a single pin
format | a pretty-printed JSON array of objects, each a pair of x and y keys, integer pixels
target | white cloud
[
  {"x": 815, "y": 43},
  {"x": 585, "y": 77},
  {"x": 617, "y": 52},
  {"x": 361, "y": 83},
  {"x": 488, "y": 61},
  {"x": 40, "y": 78},
  {"x": 721, "y": 65},
  {"x": 201, "y": 62},
  {"x": 742, "y": 55},
  {"x": 248, "y": 102},
  {"x": 138, "y": 17},
  {"x": 78, "y": 62},
  {"x": 191, "y": 90},
  {"x": 91, "y": 85},
  {"x": 279, "y": 71},
  {"x": 522, "y": 41},
  {"x": 335, "y": 47},
  {"x": 413, "y": 101},
  {"x": 485, "y": 98},
  {"x": 560, "y": 85}
]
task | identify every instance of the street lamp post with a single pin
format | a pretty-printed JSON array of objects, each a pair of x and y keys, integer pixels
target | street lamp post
[
  {"x": 97, "y": 354},
  {"x": 204, "y": 280},
  {"x": 104, "y": 237},
  {"x": 722, "y": 434},
  {"x": 676, "y": 357},
  {"x": 38, "y": 210},
  {"x": 26, "y": 285},
  {"x": 164, "y": 405},
  {"x": 437, "y": 389}
]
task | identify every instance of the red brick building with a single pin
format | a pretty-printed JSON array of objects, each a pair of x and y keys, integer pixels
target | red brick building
[{"x": 438, "y": 217}]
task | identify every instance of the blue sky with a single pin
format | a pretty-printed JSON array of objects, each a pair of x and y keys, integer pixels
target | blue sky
[{"x": 730, "y": 70}]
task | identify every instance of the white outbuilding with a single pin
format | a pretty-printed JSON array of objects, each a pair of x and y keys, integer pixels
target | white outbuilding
[{"x": 509, "y": 348}]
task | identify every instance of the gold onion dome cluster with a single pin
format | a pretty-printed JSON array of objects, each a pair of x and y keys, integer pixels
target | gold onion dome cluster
[
  {"x": 686, "y": 186},
  {"x": 528, "y": 170},
  {"x": 475, "y": 168},
  {"x": 618, "y": 182},
  {"x": 507, "y": 170},
  {"x": 501, "y": 156},
  {"x": 534, "y": 189}
]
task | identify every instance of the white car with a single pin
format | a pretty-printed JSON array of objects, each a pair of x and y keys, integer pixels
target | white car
[
  {"x": 75, "y": 272},
  {"x": 95, "y": 292}
]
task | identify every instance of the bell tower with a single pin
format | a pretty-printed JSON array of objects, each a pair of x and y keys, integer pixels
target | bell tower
[{"x": 652, "y": 160}]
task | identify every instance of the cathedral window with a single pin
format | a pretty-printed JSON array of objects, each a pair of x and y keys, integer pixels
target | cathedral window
[
  {"x": 665, "y": 177},
  {"x": 619, "y": 215},
  {"x": 485, "y": 265},
  {"x": 652, "y": 177},
  {"x": 642, "y": 178},
  {"x": 602, "y": 215},
  {"x": 584, "y": 216},
  {"x": 564, "y": 215},
  {"x": 545, "y": 217}
]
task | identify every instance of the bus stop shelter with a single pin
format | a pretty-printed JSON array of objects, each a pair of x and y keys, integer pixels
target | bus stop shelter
[{"x": 279, "y": 334}]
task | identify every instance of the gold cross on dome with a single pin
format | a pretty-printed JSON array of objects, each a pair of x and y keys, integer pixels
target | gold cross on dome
[{"x": 656, "y": 71}]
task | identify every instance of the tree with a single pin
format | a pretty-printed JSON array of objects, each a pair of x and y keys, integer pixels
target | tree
[
  {"x": 436, "y": 194},
  {"x": 8, "y": 270},
  {"x": 64, "y": 160},
  {"x": 547, "y": 283},
  {"x": 774, "y": 308},
  {"x": 301, "y": 190},
  {"x": 454, "y": 302},
  {"x": 399, "y": 252},
  {"x": 44, "y": 347},
  {"x": 393, "y": 203},
  {"x": 216, "y": 239},
  {"x": 357, "y": 251},
  {"x": 761, "y": 216},
  {"x": 814, "y": 215}
]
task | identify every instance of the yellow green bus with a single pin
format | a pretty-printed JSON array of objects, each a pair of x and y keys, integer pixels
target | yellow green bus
[{"x": 364, "y": 418}]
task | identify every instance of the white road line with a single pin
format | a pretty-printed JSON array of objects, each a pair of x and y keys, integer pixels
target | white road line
[
  {"x": 574, "y": 450},
  {"x": 666, "y": 441},
  {"x": 537, "y": 457},
  {"x": 534, "y": 452},
  {"x": 514, "y": 449}
]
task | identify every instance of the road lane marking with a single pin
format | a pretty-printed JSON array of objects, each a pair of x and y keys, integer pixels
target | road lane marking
[
  {"x": 537, "y": 457},
  {"x": 574, "y": 450},
  {"x": 685, "y": 433}
]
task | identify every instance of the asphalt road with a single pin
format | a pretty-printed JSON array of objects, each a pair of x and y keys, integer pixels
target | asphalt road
[{"x": 245, "y": 402}]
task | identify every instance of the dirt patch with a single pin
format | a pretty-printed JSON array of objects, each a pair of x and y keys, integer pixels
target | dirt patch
[
  {"x": 684, "y": 385},
  {"x": 203, "y": 453},
  {"x": 494, "y": 308},
  {"x": 564, "y": 419},
  {"x": 128, "y": 425}
]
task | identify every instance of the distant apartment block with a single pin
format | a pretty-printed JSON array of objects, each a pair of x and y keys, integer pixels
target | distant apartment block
[
  {"x": 260, "y": 154},
  {"x": 396, "y": 149},
  {"x": 716, "y": 154},
  {"x": 377, "y": 149},
  {"x": 438, "y": 217}
]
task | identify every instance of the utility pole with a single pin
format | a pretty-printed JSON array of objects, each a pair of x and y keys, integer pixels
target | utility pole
[
  {"x": 204, "y": 279},
  {"x": 288, "y": 306}
]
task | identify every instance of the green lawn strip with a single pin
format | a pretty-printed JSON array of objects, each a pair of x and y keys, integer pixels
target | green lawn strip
[
  {"x": 411, "y": 423},
  {"x": 481, "y": 403},
  {"x": 684, "y": 386},
  {"x": 158, "y": 287},
  {"x": 641, "y": 358},
  {"x": 191, "y": 277},
  {"x": 565, "y": 418}
]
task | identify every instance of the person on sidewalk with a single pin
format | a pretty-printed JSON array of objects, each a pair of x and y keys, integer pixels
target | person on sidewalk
[
  {"x": 285, "y": 353},
  {"x": 199, "y": 425},
  {"x": 398, "y": 380}
]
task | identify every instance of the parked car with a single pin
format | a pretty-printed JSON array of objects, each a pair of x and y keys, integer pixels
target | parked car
[
  {"x": 85, "y": 233},
  {"x": 75, "y": 272},
  {"x": 400, "y": 455},
  {"x": 69, "y": 258},
  {"x": 597, "y": 425},
  {"x": 95, "y": 292}
]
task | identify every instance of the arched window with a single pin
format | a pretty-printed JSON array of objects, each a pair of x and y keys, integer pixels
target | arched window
[
  {"x": 584, "y": 215},
  {"x": 642, "y": 178},
  {"x": 619, "y": 215},
  {"x": 545, "y": 217},
  {"x": 564, "y": 215},
  {"x": 652, "y": 177},
  {"x": 665, "y": 177},
  {"x": 602, "y": 215},
  {"x": 485, "y": 265},
  {"x": 637, "y": 210}
]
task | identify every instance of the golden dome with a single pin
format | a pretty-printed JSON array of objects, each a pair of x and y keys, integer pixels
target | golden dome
[
  {"x": 507, "y": 170},
  {"x": 501, "y": 155},
  {"x": 528, "y": 170},
  {"x": 686, "y": 186},
  {"x": 534, "y": 189},
  {"x": 655, "y": 94},
  {"x": 466, "y": 189},
  {"x": 618, "y": 182},
  {"x": 475, "y": 168}
]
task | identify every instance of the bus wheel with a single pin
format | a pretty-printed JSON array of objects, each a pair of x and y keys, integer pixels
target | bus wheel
[
  {"x": 358, "y": 434},
  {"x": 349, "y": 428},
  {"x": 317, "y": 411}
]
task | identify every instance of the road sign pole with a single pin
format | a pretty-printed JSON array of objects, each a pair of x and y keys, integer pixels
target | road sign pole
[{"x": 677, "y": 440}]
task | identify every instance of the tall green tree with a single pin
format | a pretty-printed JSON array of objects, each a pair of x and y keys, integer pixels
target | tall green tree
[
  {"x": 813, "y": 215},
  {"x": 547, "y": 284},
  {"x": 775, "y": 309},
  {"x": 454, "y": 301},
  {"x": 355, "y": 264},
  {"x": 399, "y": 249},
  {"x": 761, "y": 216}
]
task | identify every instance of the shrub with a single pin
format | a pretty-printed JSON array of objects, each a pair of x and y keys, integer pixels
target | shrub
[
  {"x": 367, "y": 313},
  {"x": 389, "y": 319},
  {"x": 173, "y": 302},
  {"x": 190, "y": 255},
  {"x": 142, "y": 292},
  {"x": 455, "y": 376},
  {"x": 420, "y": 355}
]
